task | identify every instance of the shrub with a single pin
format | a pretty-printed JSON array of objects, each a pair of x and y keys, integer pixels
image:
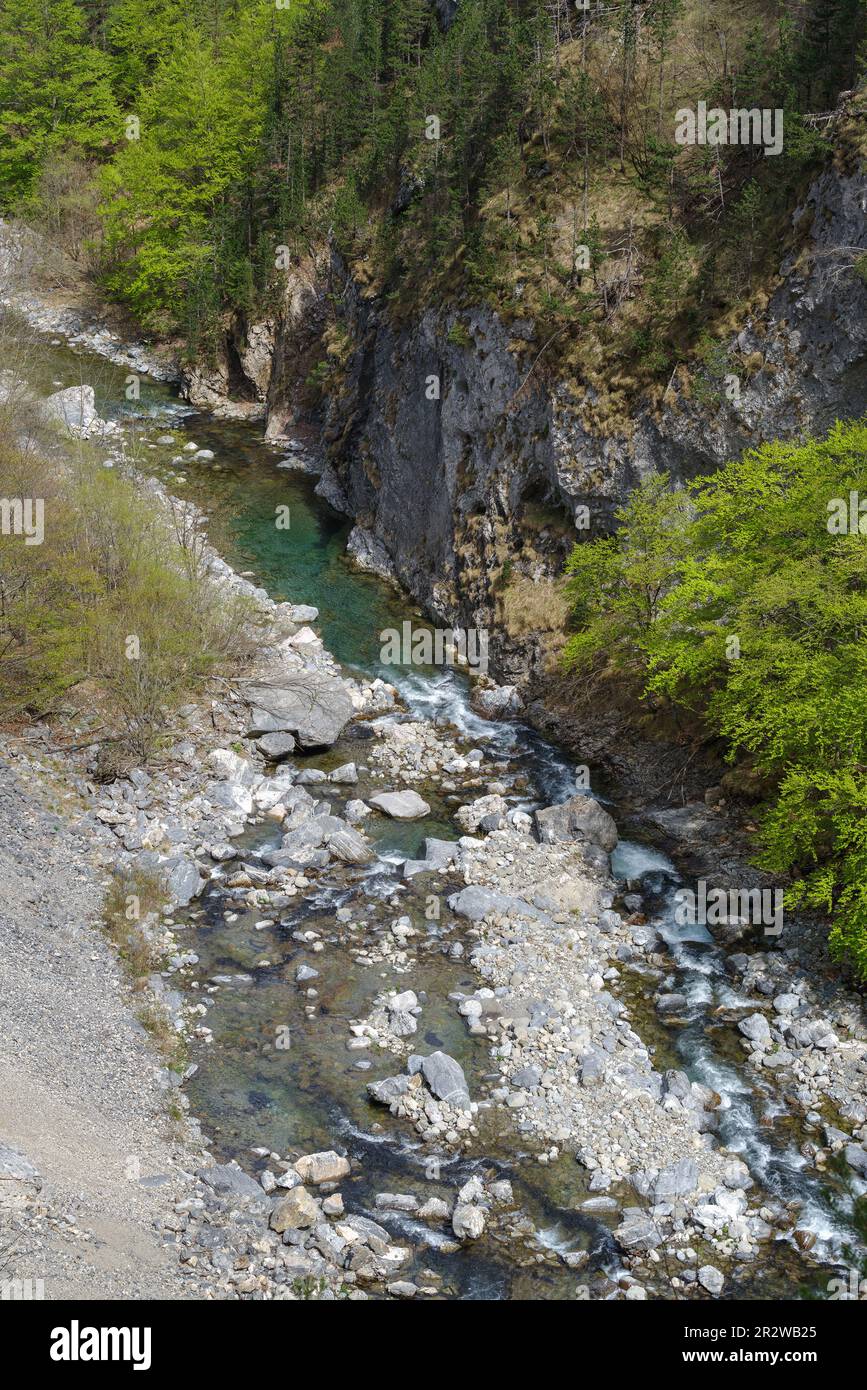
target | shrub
[
  {"x": 746, "y": 604},
  {"x": 114, "y": 595}
]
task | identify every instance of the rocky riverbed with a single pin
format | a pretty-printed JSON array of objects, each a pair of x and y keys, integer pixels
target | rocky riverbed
[{"x": 403, "y": 884}]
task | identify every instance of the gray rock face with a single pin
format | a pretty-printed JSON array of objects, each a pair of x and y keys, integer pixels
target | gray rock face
[
  {"x": 369, "y": 553},
  {"x": 756, "y": 1028},
  {"x": 228, "y": 1179},
  {"x": 445, "y": 1077},
  {"x": 581, "y": 818},
  {"x": 638, "y": 1231},
  {"x": 485, "y": 444},
  {"x": 405, "y": 805},
  {"x": 275, "y": 746},
  {"x": 475, "y": 903},
  {"x": 183, "y": 880},
  {"x": 313, "y": 706}
]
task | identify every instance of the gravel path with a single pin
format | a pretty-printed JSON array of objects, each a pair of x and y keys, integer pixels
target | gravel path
[{"x": 80, "y": 1090}]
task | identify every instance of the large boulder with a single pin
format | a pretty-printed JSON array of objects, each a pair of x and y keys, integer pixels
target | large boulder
[
  {"x": 445, "y": 1077},
  {"x": 311, "y": 705},
  {"x": 326, "y": 1166},
  {"x": 230, "y": 1180},
  {"x": 75, "y": 407},
  {"x": 295, "y": 1212},
  {"x": 406, "y": 805},
  {"x": 476, "y": 902},
  {"x": 348, "y": 846},
  {"x": 580, "y": 818}
]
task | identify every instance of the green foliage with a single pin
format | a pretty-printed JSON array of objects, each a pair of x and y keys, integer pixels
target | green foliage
[
  {"x": 265, "y": 127},
  {"x": 55, "y": 90},
  {"x": 168, "y": 194},
  {"x": 748, "y": 606}
]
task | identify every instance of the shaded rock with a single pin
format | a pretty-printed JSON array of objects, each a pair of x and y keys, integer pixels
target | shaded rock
[
  {"x": 275, "y": 746},
  {"x": 229, "y": 1180}
]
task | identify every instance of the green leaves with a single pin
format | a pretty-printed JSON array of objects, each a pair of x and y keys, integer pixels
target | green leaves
[
  {"x": 201, "y": 122},
  {"x": 742, "y": 606},
  {"x": 55, "y": 90}
]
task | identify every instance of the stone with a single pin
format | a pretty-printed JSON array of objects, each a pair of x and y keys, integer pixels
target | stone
[
  {"x": 711, "y": 1279},
  {"x": 404, "y": 805},
  {"x": 303, "y": 613},
  {"x": 468, "y": 1221},
  {"x": 476, "y": 902},
  {"x": 396, "y": 1201},
  {"x": 389, "y": 1090},
  {"x": 637, "y": 1231},
  {"x": 495, "y": 701},
  {"x": 348, "y": 846},
  {"x": 678, "y": 1180},
  {"x": 401, "y": 1288},
  {"x": 15, "y": 1167},
  {"x": 434, "y": 1209},
  {"x": 527, "y": 1077},
  {"x": 856, "y": 1157},
  {"x": 580, "y": 818},
  {"x": 317, "y": 1168},
  {"x": 445, "y": 1077},
  {"x": 276, "y": 747},
  {"x": 671, "y": 1004},
  {"x": 183, "y": 880},
  {"x": 229, "y": 1180},
  {"x": 786, "y": 1003},
  {"x": 313, "y": 706},
  {"x": 471, "y": 816},
  {"x": 756, "y": 1028},
  {"x": 75, "y": 406},
  {"x": 347, "y": 773},
  {"x": 295, "y": 1212}
]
